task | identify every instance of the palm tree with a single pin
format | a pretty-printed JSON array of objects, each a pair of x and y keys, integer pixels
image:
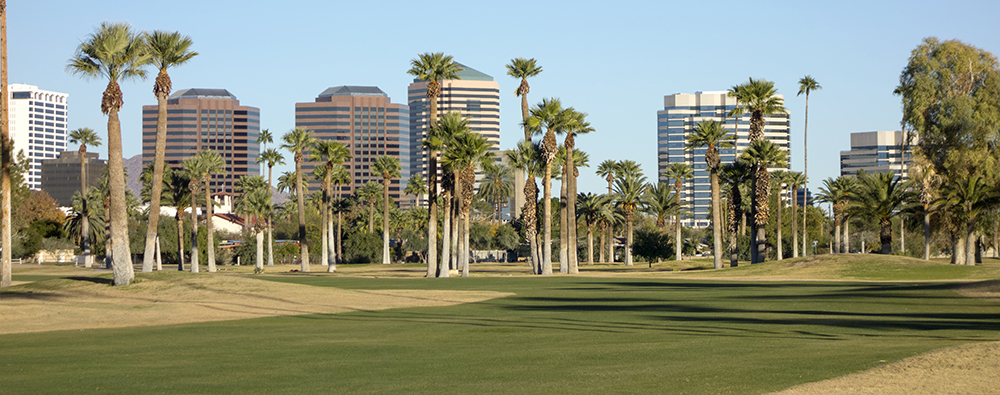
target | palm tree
[
  {"x": 878, "y": 197},
  {"x": 339, "y": 177},
  {"x": 629, "y": 191},
  {"x": 523, "y": 69},
  {"x": 589, "y": 209},
  {"x": 116, "y": 52},
  {"x": 264, "y": 138},
  {"x": 176, "y": 193},
  {"x": 712, "y": 136},
  {"x": 762, "y": 154},
  {"x": 168, "y": 49},
  {"x": 837, "y": 192},
  {"x": 607, "y": 170},
  {"x": 433, "y": 67},
  {"x": 5, "y": 152},
  {"x": 468, "y": 151},
  {"x": 257, "y": 204},
  {"x": 548, "y": 115},
  {"x": 795, "y": 180},
  {"x": 807, "y": 84},
  {"x": 526, "y": 157},
  {"x": 967, "y": 199},
  {"x": 213, "y": 165},
  {"x": 576, "y": 125},
  {"x": 607, "y": 216},
  {"x": 286, "y": 182},
  {"x": 449, "y": 127},
  {"x": 369, "y": 193},
  {"x": 497, "y": 186},
  {"x": 271, "y": 157},
  {"x": 416, "y": 186},
  {"x": 330, "y": 153},
  {"x": 660, "y": 203},
  {"x": 297, "y": 141},
  {"x": 679, "y": 172},
  {"x": 389, "y": 168},
  {"x": 195, "y": 170},
  {"x": 779, "y": 179},
  {"x": 75, "y": 219},
  {"x": 84, "y": 137},
  {"x": 733, "y": 175}
]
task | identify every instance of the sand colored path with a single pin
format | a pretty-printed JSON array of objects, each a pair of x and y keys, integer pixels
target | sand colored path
[{"x": 87, "y": 303}]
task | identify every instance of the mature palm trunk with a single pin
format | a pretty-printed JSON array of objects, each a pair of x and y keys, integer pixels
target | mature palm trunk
[
  {"x": 571, "y": 236},
  {"x": 805, "y": 174},
  {"x": 122, "y": 257},
  {"x": 628, "y": 239},
  {"x": 716, "y": 220},
  {"x": 902, "y": 235},
  {"x": 385, "y": 221},
  {"x": 927, "y": 234},
  {"x": 836, "y": 233},
  {"x": 847, "y": 235},
  {"x": 432, "y": 255},
  {"x": 529, "y": 213},
  {"x": 958, "y": 248},
  {"x": 5, "y": 147},
  {"x": 324, "y": 234},
  {"x": 446, "y": 238},
  {"x": 456, "y": 227},
  {"x": 209, "y": 229},
  {"x": 884, "y": 237},
  {"x": 590, "y": 244},
  {"x": 340, "y": 236},
  {"x": 156, "y": 188},
  {"x": 159, "y": 258},
  {"x": 270, "y": 225},
  {"x": 563, "y": 226},
  {"x": 331, "y": 240},
  {"x": 108, "y": 262},
  {"x": 754, "y": 251},
  {"x": 85, "y": 212},
  {"x": 611, "y": 244},
  {"x": 194, "y": 234},
  {"x": 733, "y": 205},
  {"x": 464, "y": 256},
  {"x": 795, "y": 223},
  {"x": 259, "y": 258},
  {"x": 547, "y": 208},
  {"x": 180, "y": 239},
  {"x": 970, "y": 243},
  {"x": 299, "y": 190},
  {"x": 601, "y": 244}
]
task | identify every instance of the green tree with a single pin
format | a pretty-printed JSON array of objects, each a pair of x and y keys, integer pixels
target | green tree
[
  {"x": 84, "y": 137},
  {"x": 330, "y": 154},
  {"x": 167, "y": 49},
  {"x": 264, "y": 138},
  {"x": 433, "y": 67},
  {"x": 467, "y": 152},
  {"x": 296, "y": 142},
  {"x": 607, "y": 170},
  {"x": 712, "y": 136},
  {"x": 369, "y": 193},
  {"x": 256, "y": 204},
  {"x": 733, "y": 175},
  {"x": 388, "y": 167},
  {"x": 270, "y": 157},
  {"x": 589, "y": 208},
  {"x": 807, "y": 84},
  {"x": 497, "y": 186},
  {"x": 678, "y": 172},
  {"x": 417, "y": 187},
  {"x": 116, "y": 52},
  {"x": 523, "y": 69},
  {"x": 795, "y": 181},
  {"x": 761, "y": 155},
  {"x": 552, "y": 117},
  {"x": 575, "y": 125},
  {"x": 839, "y": 193},
  {"x": 629, "y": 191},
  {"x": 214, "y": 166},
  {"x": 527, "y": 158},
  {"x": 878, "y": 197}
]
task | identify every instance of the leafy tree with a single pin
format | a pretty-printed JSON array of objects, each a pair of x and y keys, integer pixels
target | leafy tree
[
  {"x": 733, "y": 175},
  {"x": 166, "y": 49},
  {"x": 116, "y": 52},
  {"x": 651, "y": 245},
  {"x": 807, "y": 84},
  {"x": 712, "y": 136},
  {"x": 838, "y": 192},
  {"x": 879, "y": 196},
  {"x": 331, "y": 154},
  {"x": 296, "y": 142}
]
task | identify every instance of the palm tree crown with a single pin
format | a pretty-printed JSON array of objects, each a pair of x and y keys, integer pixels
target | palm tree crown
[
  {"x": 85, "y": 137},
  {"x": 759, "y": 98},
  {"x": 115, "y": 52},
  {"x": 808, "y": 84},
  {"x": 168, "y": 49}
]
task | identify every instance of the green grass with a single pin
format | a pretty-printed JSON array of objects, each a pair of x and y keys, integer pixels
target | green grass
[{"x": 556, "y": 335}]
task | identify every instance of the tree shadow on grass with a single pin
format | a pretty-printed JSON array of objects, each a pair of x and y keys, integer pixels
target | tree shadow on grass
[{"x": 95, "y": 280}]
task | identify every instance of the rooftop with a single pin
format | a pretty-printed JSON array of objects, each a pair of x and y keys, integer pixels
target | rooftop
[
  {"x": 202, "y": 93},
  {"x": 348, "y": 90}
]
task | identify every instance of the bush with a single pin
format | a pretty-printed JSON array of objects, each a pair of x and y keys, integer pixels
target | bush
[
  {"x": 651, "y": 245},
  {"x": 363, "y": 247}
]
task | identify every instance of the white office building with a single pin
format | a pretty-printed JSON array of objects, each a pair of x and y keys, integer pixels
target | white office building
[
  {"x": 877, "y": 152},
  {"x": 37, "y": 126}
]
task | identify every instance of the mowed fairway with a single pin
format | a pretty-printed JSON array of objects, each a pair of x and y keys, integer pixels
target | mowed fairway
[{"x": 554, "y": 335}]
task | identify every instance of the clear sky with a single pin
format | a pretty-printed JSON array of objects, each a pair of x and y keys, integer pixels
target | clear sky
[{"x": 612, "y": 59}]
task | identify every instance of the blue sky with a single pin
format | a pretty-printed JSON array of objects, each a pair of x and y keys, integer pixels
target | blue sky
[{"x": 613, "y": 60}]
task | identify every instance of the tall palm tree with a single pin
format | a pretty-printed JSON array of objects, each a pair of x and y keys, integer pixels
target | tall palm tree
[
  {"x": 523, "y": 69},
  {"x": 712, "y": 136},
  {"x": 837, "y": 192},
  {"x": 5, "y": 152},
  {"x": 257, "y": 204},
  {"x": 369, "y": 193},
  {"x": 733, "y": 175},
  {"x": 448, "y": 128},
  {"x": 762, "y": 154},
  {"x": 84, "y": 137},
  {"x": 879, "y": 196},
  {"x": 74, "y": 221},
  {"x": 576, "y": 125},
  {"x": 270, "y": 157},
  {"x": 497, "y": 187},
  {"x": 759, "y": 98},
  {"x": 526, "y": 157},
  {"x": 807, "y": 84},
  {"x": 195, "y": 169},
  {"x": 548, "y": 115},
  {"x": 779, "y": 179},
  {"x": 329, "y": 153},
  {"x": 297, "y": 141},
  {"x": 468, "y": 151},
  {"x": 116, "y": 52},
  {"x": 795, "y": 181},
  {"x": 213, "y": 165},
  {"x": 433, "y": 67},
  {"x": 167, "y": 49},
  {"x": 339, "y": 177},
  {"x": 416, "y": 186},
  {"x": 176, "y": 193},
  {"x": 660, "y": 203},
  {"x": 589, "y": 209},
  {"x": 607, "y": 170},
  {"x": 629, "y": 192},
  {"x": 967, "y": 199},
  {"x": 388, "y": 167},
  {"x": 678, "y": 172},
  {"x": 264, "y": 138}
]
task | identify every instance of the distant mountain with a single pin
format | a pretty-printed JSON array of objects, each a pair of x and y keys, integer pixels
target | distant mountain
[{"x": 133, "y": 168}]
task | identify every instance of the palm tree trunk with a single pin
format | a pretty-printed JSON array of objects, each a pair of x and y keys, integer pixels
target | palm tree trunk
[
  {"x": 563, "y": 226},
  {"x": 957, "y": 248},
  {"x": 385, "y": 221},
  {"x": 259, "y": 258},
  {"x": 432, "y": 210},
  {"x": 194, "y": 234},
  {"x": 299, "y": 190},
  {"x": 780, "y": 246},
  {"x": 331, "y": 240},
  {"x": 156, "y": 188},
  {"x": 446, "y": 239},
  {"x": 5, "y": 148},
  {"x": 628, "y": 240},
  {"x": 970, "y": 243},
  {"x": 600, "y": 246},
  {"x": 571, "y": 229},
  {"x": 902, "y": 235},
  {"x": 324, "y": 235},
  {"x": 340, "y": 237},
  {"x": 122, "y": 257},
  {"x": 836, "y": 233},
  {"x": 456, "y": 225},
  {"x": 716, "y": 220},
  {"x": 270, "y": 225},
  {"x": 85, "y": 212},
  {"x": 678, "y": 245},
  {"x": 927, "y": 234},
  {"x": 805, "y": 174},
  {"x": 611, "y": 243},
  {"x": 464, "y": 256},
  {"x": 590, "y": 244},
  {"x": 795, "y": 222},
  {"x": 209, "y": 229},
  {"x": 547, "y": 208},
  {"x": 847, "y": 235},
  {"x": 885, "y": 236},
  {"x": 180, "y": 239}
]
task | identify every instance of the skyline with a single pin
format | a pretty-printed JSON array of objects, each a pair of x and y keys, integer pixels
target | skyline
[{"x": 614, "y": 63}]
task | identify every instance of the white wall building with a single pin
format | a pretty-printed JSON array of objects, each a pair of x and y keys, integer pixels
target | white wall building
[
  {"x": 877, "y": 152},
  {"x": 38, "y": 120}
]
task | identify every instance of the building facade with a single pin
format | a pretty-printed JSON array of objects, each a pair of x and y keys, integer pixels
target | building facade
[
  {"x": 364, "y": 119},
  {"x": 61, "y": 176},
  {"x": 206, "y": 119},
  {"x": 475, "y": 95},
  {"x": 680, "y": 115},
  {"x": 37, "y": 120},
  {"x": 880, "y": 151}
]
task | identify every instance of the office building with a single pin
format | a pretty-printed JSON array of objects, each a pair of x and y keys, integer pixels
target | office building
[
  {"x": 681, "y": 113},
  {"x": 364, "y": 119},
  {"x": 37, "y": 120},
  {"x": 206, "y": 119},
  {"x": 880, "y": 151},
  {"x": 60, "y": 177},
  {"x": 475, "y": 95}
]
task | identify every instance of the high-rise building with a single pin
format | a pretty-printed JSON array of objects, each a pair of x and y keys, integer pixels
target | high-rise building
[
  {"x": 365, "y": 120},
  {"x": 475, "y": 95},
  {"x": 681, "y": 113},
  {"x": 61, "y": 176},
  {"x": 206, "y": 119},
  {"x": 37, "y": 120},
  {"x": 880, "y": 151}
]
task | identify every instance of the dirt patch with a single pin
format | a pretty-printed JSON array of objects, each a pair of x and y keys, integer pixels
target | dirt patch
[
  {"x": 90, "y": 302},
  {"x": 966, "y": 369}
]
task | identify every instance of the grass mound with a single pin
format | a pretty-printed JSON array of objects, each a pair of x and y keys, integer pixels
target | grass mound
[{"x": 864, "y": 267}]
